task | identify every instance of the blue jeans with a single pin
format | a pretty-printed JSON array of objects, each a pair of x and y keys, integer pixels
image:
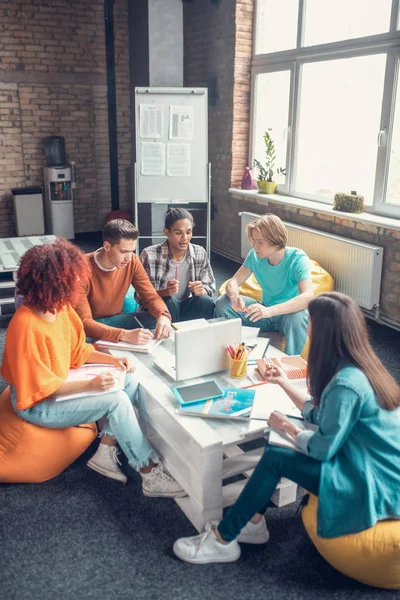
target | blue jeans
[
  {"x": 126, "y": 321},
  {"x": 116, "y": 408},
  {"x": 195, "y": 307},
  {"x": 293, "y": 325},
  {"x": 274, "y": 464}
]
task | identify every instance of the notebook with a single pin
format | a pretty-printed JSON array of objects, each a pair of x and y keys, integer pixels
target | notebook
[
  {"x": 89, "y": 371},
  {"x": 270, "y": 397},
  {"x": 295, "y": 367},
  {"x": 234, "y": 404},
  {"x": 143, "y": 348},
  {"x": 281, "y": 439}
]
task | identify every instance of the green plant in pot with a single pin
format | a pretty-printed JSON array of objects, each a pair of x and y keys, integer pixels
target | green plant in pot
[{"x": 265, "y": 180}]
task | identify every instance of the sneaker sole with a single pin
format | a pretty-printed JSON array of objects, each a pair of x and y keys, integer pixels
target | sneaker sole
[
  {"x": 255, "y": 541},
  {"x": 205, "y": 561},
  {"x": 181, "y": 494},
  {"x": 106, "y": 473}
]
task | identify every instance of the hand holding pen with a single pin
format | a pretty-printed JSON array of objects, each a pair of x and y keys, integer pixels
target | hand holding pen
[{"x": 136, "y": 336}]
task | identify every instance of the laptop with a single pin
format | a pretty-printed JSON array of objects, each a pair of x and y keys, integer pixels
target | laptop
[{"x": 201, "y": 350}]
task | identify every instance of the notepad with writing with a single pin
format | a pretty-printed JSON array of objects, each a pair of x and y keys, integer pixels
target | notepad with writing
[
  {"x": 295, "y": 367},
  {"x": 87, "y": 372},
  {"x": 283, "y": 440},
  {"x": 235, "y": 403},
  {"x": 147, "y": 348}
]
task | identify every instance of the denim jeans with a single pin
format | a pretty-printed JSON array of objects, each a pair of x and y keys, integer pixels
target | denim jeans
[
  {"x": 115, "y": 407},
  {"x": 126, "y": 321},
  {"x": 195, "y": 307},
  {"x": 274, "y": 464},
  {"x": 293, "y": 325}
]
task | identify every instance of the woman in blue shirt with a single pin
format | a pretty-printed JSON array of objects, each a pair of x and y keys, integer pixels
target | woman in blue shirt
[{"x": 352, "y": 461}]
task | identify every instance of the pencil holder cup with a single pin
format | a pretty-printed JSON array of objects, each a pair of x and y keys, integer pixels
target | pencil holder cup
[{"x": 238, "y": 368}]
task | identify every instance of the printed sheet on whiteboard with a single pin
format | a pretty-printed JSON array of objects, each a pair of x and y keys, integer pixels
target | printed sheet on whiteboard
[
  {"x": 181, "y": 121},
  {"x": 152, "y": 161},
  {"x": 178, "y": 160},
  {"x": 151, "y": 119}
]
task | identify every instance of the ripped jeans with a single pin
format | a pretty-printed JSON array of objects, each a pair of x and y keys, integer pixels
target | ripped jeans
[{"x": 115, "y": 409}]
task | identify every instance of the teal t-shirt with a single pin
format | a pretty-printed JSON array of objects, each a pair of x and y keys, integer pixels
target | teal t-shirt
[{"x": 279, "y": 283}]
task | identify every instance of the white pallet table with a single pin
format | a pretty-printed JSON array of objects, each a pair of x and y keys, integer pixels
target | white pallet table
[
  {"x": 11, "y": 251},
  {"x": 200, "y": 453}
]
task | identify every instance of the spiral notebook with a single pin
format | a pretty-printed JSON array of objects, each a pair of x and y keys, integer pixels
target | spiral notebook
[{"x": 281, "y": 439}]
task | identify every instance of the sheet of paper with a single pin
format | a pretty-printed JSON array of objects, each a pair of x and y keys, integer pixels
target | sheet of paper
[
  {"x": 181, "y": 122},
  {"x": 87, "y": 372},
  {"x": 151, "y": 119},
  {"x": 270, "y": 397},
  {"x": 178, "y": 160},
  {"x": 249, "y": 333},
  {"x": 152, "y": 158},
  {"x": 143, "y": 348},
  {"x": 193, "y": 324}
]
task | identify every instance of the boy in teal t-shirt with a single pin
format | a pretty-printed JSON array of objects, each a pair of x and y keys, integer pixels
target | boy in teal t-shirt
[{"x": 285, "y": 280}]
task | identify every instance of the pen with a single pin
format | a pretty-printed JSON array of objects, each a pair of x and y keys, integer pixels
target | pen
[
  {"x": 265, "y": 349},
  {"x": 138, "y": 322}
]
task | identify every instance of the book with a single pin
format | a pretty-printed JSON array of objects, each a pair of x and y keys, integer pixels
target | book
[
  {"x": 147, "y": 348},
  {"x": 235, "y": 403},
  {"x": 281, "y": 439},
  {"x": 89, "y": 371},
  {"x": 295, "y": 367}
]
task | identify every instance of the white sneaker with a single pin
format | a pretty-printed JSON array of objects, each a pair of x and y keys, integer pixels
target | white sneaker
[
  {"x": 158, "y": 484},
  {"x": 105, "y": 461},
  {"x": 254, "y": 533},
  {"x": 205, "y": 548}
]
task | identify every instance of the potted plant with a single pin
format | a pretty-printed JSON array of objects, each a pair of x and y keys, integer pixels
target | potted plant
[{"x": 265, "y": 182}]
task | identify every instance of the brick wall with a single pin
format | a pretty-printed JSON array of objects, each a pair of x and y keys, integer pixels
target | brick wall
[
  {"x": 53, "y": 82},
  {"x": 218, "y": 43}
]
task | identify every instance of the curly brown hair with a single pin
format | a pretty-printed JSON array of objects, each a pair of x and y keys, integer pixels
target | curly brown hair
[{"x": 49, "y": 276}]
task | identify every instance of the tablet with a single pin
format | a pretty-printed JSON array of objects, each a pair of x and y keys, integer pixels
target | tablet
[{"x": 198, "y": 392}]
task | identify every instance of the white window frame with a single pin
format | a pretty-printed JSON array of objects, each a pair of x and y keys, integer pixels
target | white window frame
[{"x": 294, "y": 59}]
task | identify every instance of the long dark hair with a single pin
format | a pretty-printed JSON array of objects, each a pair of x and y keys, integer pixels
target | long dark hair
[
  {"x": 339, "y": 333},
  {"x": 177, "y": 214}
]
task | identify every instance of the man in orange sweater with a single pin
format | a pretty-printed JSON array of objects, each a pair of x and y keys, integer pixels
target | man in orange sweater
[{"x": 115, "y": 267}]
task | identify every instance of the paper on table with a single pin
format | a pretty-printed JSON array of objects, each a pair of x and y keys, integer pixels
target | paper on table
[
  {"x": 143, "y": 348},
  {"x": 90, "y": 371},
  {"x": 249, "y": 333},
  {"x": 193, "y": 324},
  {"x": 270, "y": 397}
]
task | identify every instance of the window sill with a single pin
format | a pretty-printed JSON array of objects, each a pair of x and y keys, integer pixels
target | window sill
[{"x": 320, "y": 207}]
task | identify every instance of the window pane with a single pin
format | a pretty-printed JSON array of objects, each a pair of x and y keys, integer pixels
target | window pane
[
  {"x": 271, "y": 110},
  {"x": 334, "y": 20},
  {"x": 393, "y": 184},
  {"x": 339, "y": 120},
  {"x": 276, "y": 27}
]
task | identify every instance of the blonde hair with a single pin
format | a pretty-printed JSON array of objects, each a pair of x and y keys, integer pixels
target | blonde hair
[{"x": 271, "y": 228}]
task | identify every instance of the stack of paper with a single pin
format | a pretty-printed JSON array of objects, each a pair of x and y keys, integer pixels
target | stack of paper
[{"x": 144, "y": 348}]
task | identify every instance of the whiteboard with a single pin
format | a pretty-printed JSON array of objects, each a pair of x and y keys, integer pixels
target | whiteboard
[{"x": 171, "y": 145}]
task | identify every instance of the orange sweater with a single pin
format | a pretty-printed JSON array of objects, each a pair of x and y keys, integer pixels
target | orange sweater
[
  {"x": 104, "y": 295},
  {"x": 38, "y": 354}
]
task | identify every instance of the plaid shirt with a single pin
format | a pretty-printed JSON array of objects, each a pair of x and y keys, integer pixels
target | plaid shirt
[{"x": 156, "y": 262}]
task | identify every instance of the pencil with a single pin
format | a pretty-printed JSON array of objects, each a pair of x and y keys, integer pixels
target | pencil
[{"x": 138, "y": 322}]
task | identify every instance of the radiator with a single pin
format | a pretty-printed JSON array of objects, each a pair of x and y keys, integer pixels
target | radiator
[{"x": 356, "y": 267}]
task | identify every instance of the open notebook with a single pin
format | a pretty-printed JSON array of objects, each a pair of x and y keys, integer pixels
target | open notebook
[
  {"x": 281, "y": 439},
  {"x": 89, "y": 371},
  {"x": 144, "y": 348}
]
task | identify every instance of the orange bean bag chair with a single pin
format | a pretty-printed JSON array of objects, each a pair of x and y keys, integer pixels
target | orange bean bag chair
[
  {"x": 371, "y": 556},
  {"x": 33, "y": 454}
]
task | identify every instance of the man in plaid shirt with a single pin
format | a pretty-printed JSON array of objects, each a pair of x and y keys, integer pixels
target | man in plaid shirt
[{"x": 180, "y": 271}]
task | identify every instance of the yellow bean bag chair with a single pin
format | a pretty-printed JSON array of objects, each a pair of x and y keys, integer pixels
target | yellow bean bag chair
[
  {"x": 33, "y": 454},
  {"x": 371, "y": 556},
  {"x": 322, "y": 282}
]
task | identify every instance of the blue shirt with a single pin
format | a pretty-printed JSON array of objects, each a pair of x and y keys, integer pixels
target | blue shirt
[
  {"x": 279, "y": 283},
  {"x": 358, "y": 443}
]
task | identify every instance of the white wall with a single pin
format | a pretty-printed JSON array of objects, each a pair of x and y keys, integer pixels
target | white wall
[{"x": 166, "y": 43}]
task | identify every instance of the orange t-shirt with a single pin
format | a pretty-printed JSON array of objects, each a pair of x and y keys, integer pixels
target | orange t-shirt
[{"x": 38, "y": 354}]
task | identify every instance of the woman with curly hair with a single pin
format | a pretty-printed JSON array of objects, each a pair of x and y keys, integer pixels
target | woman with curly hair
[{"x": 45, "y": 339}]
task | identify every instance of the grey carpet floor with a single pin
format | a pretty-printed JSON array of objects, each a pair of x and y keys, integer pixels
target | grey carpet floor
[{"x": 82, "y": 536}]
